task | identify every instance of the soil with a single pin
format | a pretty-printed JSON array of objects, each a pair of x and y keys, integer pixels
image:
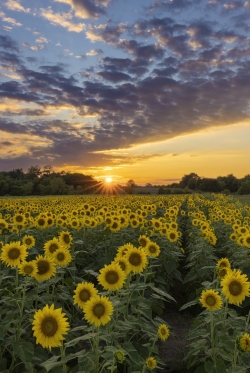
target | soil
[{"x": 172, "y": 351}]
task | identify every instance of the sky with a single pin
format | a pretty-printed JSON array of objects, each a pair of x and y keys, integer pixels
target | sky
[{"x": 143, "y": 90}]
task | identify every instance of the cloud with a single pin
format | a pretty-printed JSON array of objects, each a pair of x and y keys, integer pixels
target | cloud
[
  {"x": 94, "y": 52},
  {"x": 42, "y": 40},
  {"x": 86, "y": 8},
  {"x": 15, "y": 5},
  {"x": 58, "y": 19},
  {"x": 106, "y": 33},
  {"x": 33, "y": 47},
  {"x": 9, "y": 20}
]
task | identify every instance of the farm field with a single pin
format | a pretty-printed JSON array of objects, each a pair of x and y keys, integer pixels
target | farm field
[{"x": 125, "y": 284}]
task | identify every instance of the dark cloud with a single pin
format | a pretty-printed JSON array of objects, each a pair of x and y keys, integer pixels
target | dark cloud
[
  {"x": 142, "y": 51},
  {"x": 170, "y": 5},
  {"x": 114, "y": 76},
  {"x": 88, "y": 8},
  {"x": 6, "y": 42}
]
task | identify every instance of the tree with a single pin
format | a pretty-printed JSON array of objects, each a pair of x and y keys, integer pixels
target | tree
[
  {"x": 47, "y": 170},
  {"x": 34, "y": 171},
  {"x": 130, "y": 187},
  {"x": 245, "y": 187},
  {"x": 192, "y": 181}
]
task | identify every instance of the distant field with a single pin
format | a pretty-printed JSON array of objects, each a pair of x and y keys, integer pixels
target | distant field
[{"x": 243, "y": 199}]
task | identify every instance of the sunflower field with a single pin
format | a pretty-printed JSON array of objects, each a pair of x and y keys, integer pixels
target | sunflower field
[{"x": 86, "y": 283}]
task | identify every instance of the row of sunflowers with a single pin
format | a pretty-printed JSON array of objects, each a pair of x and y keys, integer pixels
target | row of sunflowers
[{"x": 86, "y": 281}]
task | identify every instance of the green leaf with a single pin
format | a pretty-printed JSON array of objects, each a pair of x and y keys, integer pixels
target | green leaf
[
  {"x": 163, "y": 293},
  {"x": 209, "y": 368},
  {"x": 189, "y": 304},
  {"x": 82, "y": 338},
  {"x": 51, "y": 363},
  {"x": 25, "y": 350}
]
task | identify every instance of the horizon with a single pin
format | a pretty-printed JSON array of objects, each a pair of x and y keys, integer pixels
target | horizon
[{"x": 138, "y": 93}]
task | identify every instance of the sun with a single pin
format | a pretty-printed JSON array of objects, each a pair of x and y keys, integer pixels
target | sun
[{"x": 108, "y": 179}]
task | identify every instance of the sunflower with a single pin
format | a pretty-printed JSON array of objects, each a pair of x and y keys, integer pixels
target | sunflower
[
  {"x": 121, "y": 251},
  {"x": 45, "y": 268},
  {"x": 83, "y": 292},
  {"x": 13, "y": 253},
  {"x": 223, "y": 263},
  {"x": 98, "y": 310},
  {"x": 49, "y": 326},
  {"x": 123, "y": 263},
  {"x": 172, "y": 236},
  {"x": 134, "y": 222},
  {"x": 222, "y": 272},
  {"x": 163, "y": 332},
  {"x": 19, "y": 219},
  {"x": 137, "y": 259},
  {"x": 62, "y": 257},
  {"x": 115, "y": 226},
  {"x": 41, "y": 222},
  {"x": 28, "y": 241},
  {"x": 243, "y": 342},
  {"x": 152, "y": 249},
  {"x": 28, "y": 268},
  {"x": 51, "y": 246},
  {"x": 246, "y": 240},
  {"x": 143, "y": 241},
  {"x": 235, "y": 287},
  {"x": 111, "y": 277},
  {"x": 119, "y": 356},
  {"x": 211, "y": 300},
  {"x": 151, "y": 362},
  {"x": 65, "y": 238}
]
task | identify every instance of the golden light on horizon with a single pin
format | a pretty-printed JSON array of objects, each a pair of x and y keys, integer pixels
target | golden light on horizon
[{"x": 108, "y": 179}]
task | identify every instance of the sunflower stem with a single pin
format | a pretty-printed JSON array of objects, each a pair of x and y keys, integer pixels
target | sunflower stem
[
  {"x": 21, "y": 309},
  {"x": 212, "y": 337},
  {"x": 16, "y": 281},
  {"x": 62, "y": 349},
  {"x": 97, "y": 351},
  {"x": 234, "y": 363},
  {"x": 247, "y": 321}
]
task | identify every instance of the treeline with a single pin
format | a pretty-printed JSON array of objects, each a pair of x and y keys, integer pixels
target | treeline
[
  {"x": 44, "y": 181},
  {"x": 222, "y": 184}
]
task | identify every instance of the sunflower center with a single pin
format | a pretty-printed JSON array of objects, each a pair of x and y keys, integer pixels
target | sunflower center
[
  {"x": 111, "y": 277},
  {"x": 60, "y": 257},
  {"x": 66, "y": 238},
  {"x": 19, "y": 219},
  {"x": 172, "y": 236},
  {"x": 43, "y": 267},
  {"x": 248, "y": 240},
  {"x": 84, "y": 295},
  {"x": 28, "y": 241},
  {"x": 135, "y": 259},
  {"x": 49, "y": 326},
  {"x": 122, "y": 265},
  {"x": 152, "y": 249},
  {"x": 28, "y": 269},
  {"x": 143, "y": 242},
  {"x": 14, "y": 253},
  {"x": 163, "y": 332},
  {"x": 210, "y": 300},
  {"x": 99, "y": 310},
  {"x": 53, "y": 247},
  {"x": 222, "y": 272},
  {"x": 235, "y": 288},
  {"x": 41, "y": 222}
]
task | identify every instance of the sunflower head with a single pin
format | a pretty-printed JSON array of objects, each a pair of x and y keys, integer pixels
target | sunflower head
[
  {"x": 49, "y": 326},
  {"x": 137, "y": 259},
  {"x": 83, "y": 292},
  {"x": 152, "y": 249},
  {"x": 111, "y": 277},
  {"x": 45, "y": 268},
  {"x": 163, "y": 332},
  {"x": 28, "y": 241},
  {"x": 13, "y": 253},
  {"x": 62, "y": 257},
  {"x": 211, "y": 300},
  {"x": 65, "y": 239},
  {"x": 223, "y": 263},
  {"x": 27, "y": 268},
  {"x": 151, "y": 363},
  {"x": 243, "y": 342},
  {"x": 119, "y": 356},
  {"x": 98, "y": 310},
  {"x": 235, "y": 287}
]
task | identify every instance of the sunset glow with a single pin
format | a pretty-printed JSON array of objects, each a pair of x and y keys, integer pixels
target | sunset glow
[{"x": 149, "y": 92}]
